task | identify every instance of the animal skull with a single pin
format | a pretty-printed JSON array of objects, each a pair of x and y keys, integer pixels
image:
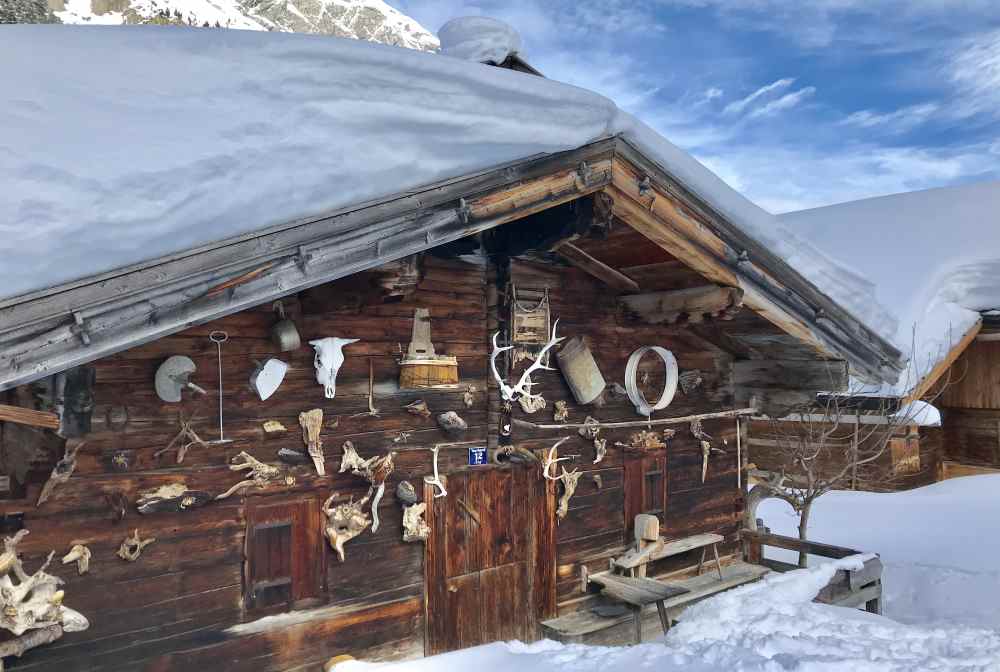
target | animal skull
[
  {"x": 328, "y": 360},
  {"x": 344, "y": 522}
]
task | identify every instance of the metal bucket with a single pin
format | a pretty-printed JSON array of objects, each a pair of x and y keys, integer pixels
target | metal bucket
[
  {"x": 580, "y": 370},
  {"x": 284, "y": 333}
]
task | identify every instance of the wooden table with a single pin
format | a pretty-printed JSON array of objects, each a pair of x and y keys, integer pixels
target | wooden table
[{"x": 637, "y": 593}]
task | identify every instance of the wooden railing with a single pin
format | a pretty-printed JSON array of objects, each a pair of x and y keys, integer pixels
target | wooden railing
[{"x": 848, "y": 588}]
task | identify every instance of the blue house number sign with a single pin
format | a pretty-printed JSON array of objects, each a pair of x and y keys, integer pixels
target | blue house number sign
[{"x": 477, "y": 456}]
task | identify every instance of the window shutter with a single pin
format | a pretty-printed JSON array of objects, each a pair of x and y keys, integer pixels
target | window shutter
[{"x": 269, "y": 561}]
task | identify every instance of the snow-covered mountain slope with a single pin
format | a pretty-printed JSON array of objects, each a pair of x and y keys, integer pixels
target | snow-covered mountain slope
[{"x": 371, "y": 20}]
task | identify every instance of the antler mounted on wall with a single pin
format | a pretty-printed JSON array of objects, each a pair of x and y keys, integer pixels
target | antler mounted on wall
[
  {"x": 523, "y": 387},
  {"x": 569, "y": 479}
]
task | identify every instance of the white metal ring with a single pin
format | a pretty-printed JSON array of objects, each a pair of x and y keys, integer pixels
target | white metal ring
[{"x": 635, "y": 395}]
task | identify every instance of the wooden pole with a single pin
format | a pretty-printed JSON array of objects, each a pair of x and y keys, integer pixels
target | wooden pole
[
  {"x": 854, "y": 453},
  {"x": 27, "y": 416},
  {"x": 736, "y": 412},
  {"x": 739, "y": 456}
]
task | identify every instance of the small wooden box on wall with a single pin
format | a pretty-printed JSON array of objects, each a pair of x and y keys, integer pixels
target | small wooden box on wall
[{"x": 421, "y": 367}]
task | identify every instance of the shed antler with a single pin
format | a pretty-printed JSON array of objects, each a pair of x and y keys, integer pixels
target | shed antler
[
  {"x": 568, "y": 478},
  {"x": 523, "y": 386}
]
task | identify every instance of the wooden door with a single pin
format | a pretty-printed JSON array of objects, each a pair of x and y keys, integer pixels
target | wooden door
[
  {"x": 284, "y": 554},
  {"x": 480, "y": 562}
]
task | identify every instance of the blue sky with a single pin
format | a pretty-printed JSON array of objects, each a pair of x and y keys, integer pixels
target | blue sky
[{"x": 796, "y": 103}]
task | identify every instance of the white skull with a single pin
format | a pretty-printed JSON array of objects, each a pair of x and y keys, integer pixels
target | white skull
[{"x": 329, "y": 357}]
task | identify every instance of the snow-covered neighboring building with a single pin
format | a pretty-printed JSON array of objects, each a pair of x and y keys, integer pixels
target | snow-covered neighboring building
[
  {"x": 932, "y": 259},
  {"x": 164, "y": 187}
]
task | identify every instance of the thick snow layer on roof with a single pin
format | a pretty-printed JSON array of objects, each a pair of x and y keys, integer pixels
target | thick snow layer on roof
[
  {"x": 479, "y": 38},
  {"x": 768, "y": 626},
  {"x": 122, "y": 144},
  {"x": 932, "y": 257}
]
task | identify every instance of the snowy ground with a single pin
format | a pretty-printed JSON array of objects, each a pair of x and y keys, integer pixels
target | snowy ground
[{"x": 940, "y": 547}]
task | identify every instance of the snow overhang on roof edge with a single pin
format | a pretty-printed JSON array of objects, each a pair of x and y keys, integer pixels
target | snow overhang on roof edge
[{"x": 49, "y": 331}]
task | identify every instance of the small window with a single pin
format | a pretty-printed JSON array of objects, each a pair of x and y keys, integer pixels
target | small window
[{"x": 283, "y": 555}]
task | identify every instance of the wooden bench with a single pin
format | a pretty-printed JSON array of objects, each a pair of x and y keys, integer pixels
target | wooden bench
[
  {"x": 637, "y": 593},
  {"x": 635, "y": 560}
]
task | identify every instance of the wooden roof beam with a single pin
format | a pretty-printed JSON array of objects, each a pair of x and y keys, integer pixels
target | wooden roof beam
[{"x": 609, "y": 276}]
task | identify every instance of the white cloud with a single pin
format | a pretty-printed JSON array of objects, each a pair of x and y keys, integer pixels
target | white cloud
[
  {"x": 974, "y": 69},
  {"x": 897, "y": 121},
  {"x": 737, "y": 106},
  {"x": 786, "y": 102},
  {"x": 784, "y": 178}
]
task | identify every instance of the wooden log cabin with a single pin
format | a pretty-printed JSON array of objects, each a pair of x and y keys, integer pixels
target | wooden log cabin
[
  {"x": 600, "y": 244},
  {"x": 249, "y": 582}
]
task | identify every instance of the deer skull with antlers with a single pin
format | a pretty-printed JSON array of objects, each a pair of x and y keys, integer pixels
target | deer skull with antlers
[
  {"x": 523, "y": 387},
  {"x": 569, "y": 478}
]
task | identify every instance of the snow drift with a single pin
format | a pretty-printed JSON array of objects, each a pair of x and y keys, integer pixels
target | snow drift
[
  {"x": 938, "y": 544},
  {"x": 768, "y": 626}
]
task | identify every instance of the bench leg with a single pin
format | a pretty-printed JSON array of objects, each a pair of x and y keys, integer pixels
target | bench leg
[
  {"x": 718, "y": 563},
  {"x": 637, "y": 622},
  {"x": 702, "y": 561},
  {"x": 664, "y": 619}
]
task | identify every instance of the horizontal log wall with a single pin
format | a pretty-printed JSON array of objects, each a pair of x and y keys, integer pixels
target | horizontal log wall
[
  {"x": 180, "y": 606},
  {"x": 595, "y": 527},
  {"x": 769, "y": 442},
  {"x": 970, "y": 403}
]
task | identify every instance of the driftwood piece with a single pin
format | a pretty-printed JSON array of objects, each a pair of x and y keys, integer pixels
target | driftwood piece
[
  {"x": 33, "y": 602},
  {"x": 590, "y": 429},
  {"x": 62, "y": 471},
  {"x": 375, "y": 469},
  {"x": 173, "y": 497},
  {"x": 185, "y": 438},
  {"x": 131, "y": 547},
  {"x": 344, "y": 522},
  {"x": 418, "y": 407},
  {"x": 274, "y": 427},
  {"x": 415, "y": 528},
  {"x": 312, "y": 424},
  {"x": 260, "y": 474},
  {"x": 79, "y": 554},
  {"x": 19, "y": 646},
  {"x": 600, "y": 450}
]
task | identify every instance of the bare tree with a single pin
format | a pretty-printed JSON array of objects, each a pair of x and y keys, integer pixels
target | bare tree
[{"x": 836, "y": 442}]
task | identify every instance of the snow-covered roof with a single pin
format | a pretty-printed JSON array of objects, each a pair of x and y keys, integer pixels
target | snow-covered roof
[
  {"x": 479, "y": 38},
  {"x": 130, "y": 155},
  {"x": 924, "y": 264}
]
